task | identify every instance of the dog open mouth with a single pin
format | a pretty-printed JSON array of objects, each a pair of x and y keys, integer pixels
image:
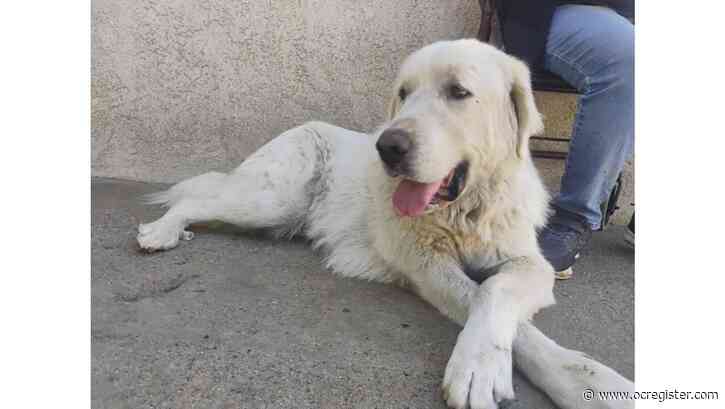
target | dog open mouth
[{"x": 413, "y": 198}]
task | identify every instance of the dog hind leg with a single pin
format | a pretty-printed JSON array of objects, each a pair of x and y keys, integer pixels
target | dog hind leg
[
  {"x": 202, "y": 186},
  {"x": 272, "y": 189}
]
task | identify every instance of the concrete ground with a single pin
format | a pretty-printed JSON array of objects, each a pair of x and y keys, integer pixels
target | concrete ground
[{"x": 233, "y": 320}]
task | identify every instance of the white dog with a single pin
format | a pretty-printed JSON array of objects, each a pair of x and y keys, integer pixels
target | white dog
[{"x": 443, "y": 199}]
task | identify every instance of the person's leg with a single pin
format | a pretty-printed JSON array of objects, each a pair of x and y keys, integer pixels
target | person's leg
[{"x": 592, "y": 48}]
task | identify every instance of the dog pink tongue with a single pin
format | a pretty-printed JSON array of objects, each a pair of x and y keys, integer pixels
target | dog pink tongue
[{"x": 411, "y": 198}]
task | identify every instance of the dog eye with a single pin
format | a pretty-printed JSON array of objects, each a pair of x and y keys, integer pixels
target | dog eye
[
  {"x": 456, "y": 91},
  {"x": 402, "y": 93}
]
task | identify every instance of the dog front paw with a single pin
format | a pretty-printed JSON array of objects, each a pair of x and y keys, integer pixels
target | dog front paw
[{"x": 478, "y": 375}]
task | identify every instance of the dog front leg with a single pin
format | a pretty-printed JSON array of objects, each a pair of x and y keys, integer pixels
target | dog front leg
[
  {"x": 566, "y": 375},
  {"x": 562, "y": 373},
  {"x": 479, "y": 372}
]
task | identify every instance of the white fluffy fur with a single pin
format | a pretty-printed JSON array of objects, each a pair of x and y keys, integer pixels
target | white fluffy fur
[{"x": 329, "y": 184}]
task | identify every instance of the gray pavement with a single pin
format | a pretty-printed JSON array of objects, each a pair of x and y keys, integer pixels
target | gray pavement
[{"x": 237, "y": 320}]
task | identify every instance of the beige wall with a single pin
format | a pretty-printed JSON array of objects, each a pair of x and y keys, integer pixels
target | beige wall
[{"x": 183, "y": 86}]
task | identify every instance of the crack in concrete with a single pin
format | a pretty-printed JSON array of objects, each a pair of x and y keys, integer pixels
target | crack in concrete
[{"x": 159, "y": 291}]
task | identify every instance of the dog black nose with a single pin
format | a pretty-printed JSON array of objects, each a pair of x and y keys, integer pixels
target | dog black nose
[{"x": 393, "y": 145}]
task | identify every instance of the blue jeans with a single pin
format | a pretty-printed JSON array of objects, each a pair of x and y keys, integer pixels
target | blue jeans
[{"x": 592, "y": 48}]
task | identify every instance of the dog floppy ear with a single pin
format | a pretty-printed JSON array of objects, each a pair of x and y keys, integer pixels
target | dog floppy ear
[
  {"x": 393, "y": 105},
  {"x": 528, "y": 118}
]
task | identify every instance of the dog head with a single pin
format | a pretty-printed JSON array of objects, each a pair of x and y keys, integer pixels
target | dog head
[{"x": 461, "y": 111}]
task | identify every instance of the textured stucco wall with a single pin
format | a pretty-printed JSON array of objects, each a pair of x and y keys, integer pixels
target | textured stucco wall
[{"x": 180, "y": 87}]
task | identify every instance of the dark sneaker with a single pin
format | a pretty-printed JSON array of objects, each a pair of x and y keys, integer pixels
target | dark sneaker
[
  {"x": 562, "y": 239},
  {"x": 629, "y": 233}
]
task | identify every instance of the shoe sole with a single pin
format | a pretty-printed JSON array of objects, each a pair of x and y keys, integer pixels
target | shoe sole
[{"x": 564, "y": 274}]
